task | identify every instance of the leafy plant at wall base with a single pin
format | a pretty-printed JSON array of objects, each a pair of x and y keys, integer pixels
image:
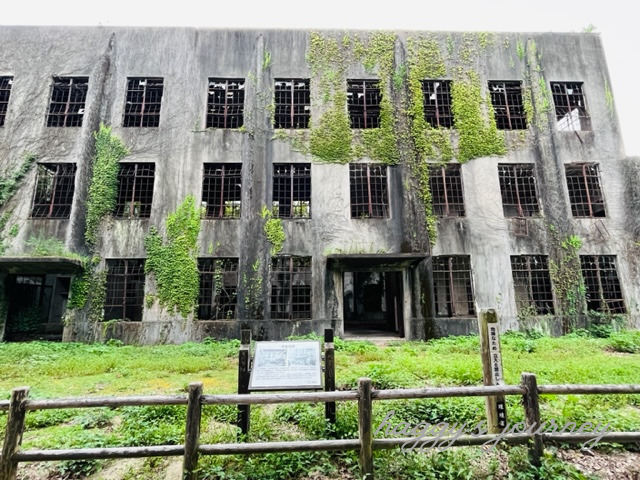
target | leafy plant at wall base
[
  {"x": 103, "y": 190},
  {"x": 174, "y": 261}
]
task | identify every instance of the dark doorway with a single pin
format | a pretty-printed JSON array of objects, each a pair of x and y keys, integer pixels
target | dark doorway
[
  {"x": 36, "y": 305},
  {"x": 373, "y": 302}
]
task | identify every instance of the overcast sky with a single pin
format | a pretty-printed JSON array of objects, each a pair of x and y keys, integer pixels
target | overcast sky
[{"x": 615, "y": 20}]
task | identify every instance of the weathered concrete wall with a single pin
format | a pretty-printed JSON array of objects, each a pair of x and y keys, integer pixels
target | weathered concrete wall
[{"x": 187, "y": 57}]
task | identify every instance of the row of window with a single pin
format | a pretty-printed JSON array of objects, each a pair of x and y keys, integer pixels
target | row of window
[
  {"x": 292, "y": 103},
  {"x": 518, "y": 190},
  {"x": 291, "y": 286},
  {"x": 291, "y": 197}
]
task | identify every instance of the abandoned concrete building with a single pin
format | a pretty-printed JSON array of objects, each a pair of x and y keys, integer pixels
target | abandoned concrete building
[{"x": 174, "y": 184}]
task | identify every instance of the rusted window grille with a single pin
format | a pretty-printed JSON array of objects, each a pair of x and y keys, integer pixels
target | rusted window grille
[
  {"x": 54, "y": 190},
  {"x": 5, "y": 93},
  {"x": 363, "y": 99},
  {"x": 446, "y": 191},
  {"x": 518, "y": 189},
  {"x": 585, "y": 194},
  {"x": 225, "y": 103},
  {"x": 218, "y": 288},
  {"x": 222, "y": 190},
  {"x": 519, "y": 226},
  {"x": 290, "y": 288},
  {"x": 437, "y": 103},
  {"x": 600, "y": 275},
  {"x": 508, "y": 107},
  {"x": 135, "y": 190},
  {"x": 571, "y": 108},
  {"x": 125, "y": 290},
  {"x": 453, "y": 287},
  {"x": 369, "y": 196},
  {"x": 532, "y": 284},
  {"x": 292, "y": 103},
  {"x": 144, "y": 99},
  {"x": 291, "y": 190},
  {"x": 68, "y": 96}
]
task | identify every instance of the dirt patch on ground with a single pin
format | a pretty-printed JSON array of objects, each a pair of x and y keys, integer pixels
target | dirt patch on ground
[{"x": 607, "y": 466}]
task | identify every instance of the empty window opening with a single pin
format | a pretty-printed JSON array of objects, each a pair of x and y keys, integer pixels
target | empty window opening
[
  {"x": 135, "y": 190},
  {"x": 225, "y": 103},
  {"x": 369, "y": 195},
  {"x": 603, "y": 290},
  {"x": 508, "y": 107},
  {"x": 290, "y": 287},
  {"x": 291, "y": 190},
  {"x": 222, "y": 190},
  {"x": 585, "y": 194},
  {"x": 532, "y": 284},
  {"x": 5, "y": 93},
  {"x": 571, "y": 109},
  {"x": 125, "y": 290},
  {"x": 445, "y": 183},
  {"x": 68, "y": 96},
  {"x": 363, "y": 100},
  {"x": 452, "y": 286},
  {"x": 144, "y": 99},
  {"x": 218, "y": 288},
  {"x": 518, "y": 189},
  {"x": 373, "y": 301},
  {"x": 437, "y": 103},
  {"x": 54, "y": 190},
  {"x": 292, "y": 103}
]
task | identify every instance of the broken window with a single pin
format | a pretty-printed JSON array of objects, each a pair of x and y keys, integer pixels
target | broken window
[
  {"x": 222, "y": 190},
  {"x": 291, "y": 190},
  {"x": 518, "y": 189},
  {"x": 218, "y": 288},
  {"x": 571, "y": 109},
  {"x": 54, "y": 190},
  {"x": 292, "y": 103},
  {"x": 144, "y": 98},
  {"x": 445, "y": 183},
  {"x": 603, "y": 291},
  {"x": 290, "y": 287},
  {"x": 68, "y": 96},
  {"x": 363, "y": 99},
  {"x": 5, "y": 93},
  {"x": 452, "y": 286},
  {"x": 368, "y": 185},
  {"x": 508, "y": 107},
  {"x": 585, "y": 194},
  {"x": 437, "y": 103},
  {"x": 532, "y": 284},
  {"x": 135, "y": 190},
  {"x": 225, "y": 103},
  {"x": 124, "y": 290}
]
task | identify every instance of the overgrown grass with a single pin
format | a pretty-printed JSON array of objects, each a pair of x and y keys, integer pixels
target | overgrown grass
[{"x": 69, "y": 369}]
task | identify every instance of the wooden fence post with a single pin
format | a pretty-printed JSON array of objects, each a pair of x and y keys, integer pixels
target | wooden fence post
[
  {"x": 496, "y": 406},
  {"x": 365, "y": 417},
  {"x": 244, "y": 372},
  {"x": 13, "y": 433},
  {"x": 192, "y": 432},
  {"x": 329, "y": 374},
  {"x": 532, "y": 417}
]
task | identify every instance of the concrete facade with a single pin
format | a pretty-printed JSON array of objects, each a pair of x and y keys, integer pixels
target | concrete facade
[{"x": 185, "y": 58}]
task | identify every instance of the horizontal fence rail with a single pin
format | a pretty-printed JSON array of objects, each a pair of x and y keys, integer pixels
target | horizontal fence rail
[{"x": 19, "y": 405}]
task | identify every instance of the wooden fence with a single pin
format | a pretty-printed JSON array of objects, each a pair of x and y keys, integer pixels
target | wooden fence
[{"x": 20, "y": 404}]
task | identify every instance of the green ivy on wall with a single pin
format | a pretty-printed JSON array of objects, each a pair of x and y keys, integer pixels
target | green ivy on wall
[
  {"x": 9, "y": 183},
  {"x": 274, "y": 231},
  {"x": 174, "y": 261},
  {"x": 103, "y": 189}
]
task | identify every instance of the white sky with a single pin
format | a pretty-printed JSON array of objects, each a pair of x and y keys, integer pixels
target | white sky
[{"x": 615, "y": 20}]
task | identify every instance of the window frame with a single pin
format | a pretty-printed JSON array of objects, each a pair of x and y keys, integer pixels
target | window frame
[
  {"x": 284, "y": 281},
  {"x": 515, "y": 116},
  {"x": 225, "y": 208},
  {"x": 447, "y": 180},
  {"x": 599, "y": 265},
  {"x": 131, "y": 281},
  {"x": 367, "y": 114},
  {"x": 6, "y": 82},
  {"x": 125, "y": 207},
  {"x": 296, "y": 180},
  {"x": 452, "y": 275},
  {"x": 292, "y": 110},
  {"x": 63, "y": 91},
  {"x": 58, "y": 178},
  {"x": 583, "y": 117},
  {"x": 592, "y": 190},
  {"x": 229, "y": 120},
  {"x": 381, "y": 189},
  {"x": 442, "y": 116},
  {"x": 211, "y": 271},
  {"x": 151, "y": 98},
  {"x": 525, "y": 275},
  {"x": 532, "y": 209}
]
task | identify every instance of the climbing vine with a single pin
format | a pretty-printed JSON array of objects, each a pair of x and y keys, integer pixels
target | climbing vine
[
  {"x": 174, "y": 260},
  {"x": 274, "y": 231},
  {"x": 9, "y": 184},
  {"x": 103, "y": 189}
]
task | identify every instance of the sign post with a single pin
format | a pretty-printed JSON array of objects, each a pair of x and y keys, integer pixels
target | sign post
[{"x": 492, "y": 369}]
